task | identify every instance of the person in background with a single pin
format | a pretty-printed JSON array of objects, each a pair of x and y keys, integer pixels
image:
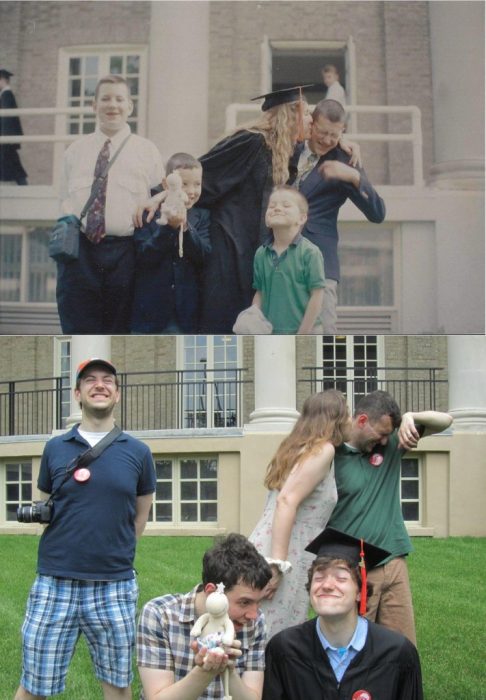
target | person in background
[
  {"x": 301, "y": 497},
  {"x": 368, "y": 483},
  {"x": 330, "y": 78},
  {"x": 10, "y": 166}
]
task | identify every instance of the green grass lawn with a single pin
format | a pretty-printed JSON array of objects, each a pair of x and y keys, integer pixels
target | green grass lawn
[{"x": 449, "y": 590}]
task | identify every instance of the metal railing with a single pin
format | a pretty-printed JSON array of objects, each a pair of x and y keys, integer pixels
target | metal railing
[
  {"x": 414, "y": 136},
  {"x": 413, "y": 388},
  {"x": 152, "y": 400}
]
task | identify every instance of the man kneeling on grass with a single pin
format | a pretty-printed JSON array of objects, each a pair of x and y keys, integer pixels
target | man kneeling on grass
[
  {"x": 341, "y": 655},
  {"x": 169, "y": 662}
]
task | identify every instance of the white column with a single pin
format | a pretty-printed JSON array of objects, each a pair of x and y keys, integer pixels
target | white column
[
  {"x": 457, "y": 55},
  {"x": 275, "y": 378},
  {"x": 467, "y": 382},
  {"x": 84, "y": 347},
  {"x": 178, "y": 83}
]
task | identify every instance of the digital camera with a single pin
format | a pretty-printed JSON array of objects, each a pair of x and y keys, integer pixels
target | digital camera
[{"x": 38, "y": 512}]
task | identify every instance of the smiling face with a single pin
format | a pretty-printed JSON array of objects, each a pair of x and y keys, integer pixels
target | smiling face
[
  {"x": 98, "y": 393},
  {"x": 284, "y": 209},
  {"x": 191, "y": 184},
  {"x": 112, "y": 107},
  {"x": 334, "y": 591},
  {"x": 325, "y": 135}
]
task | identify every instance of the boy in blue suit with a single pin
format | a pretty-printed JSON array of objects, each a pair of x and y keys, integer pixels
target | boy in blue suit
[
  {"x": 167, "y": 286},
  {"x": 326, "y": 180}
]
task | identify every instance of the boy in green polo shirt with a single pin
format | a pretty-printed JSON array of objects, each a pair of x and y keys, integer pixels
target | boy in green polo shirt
[{"x": 288, "y": 272}]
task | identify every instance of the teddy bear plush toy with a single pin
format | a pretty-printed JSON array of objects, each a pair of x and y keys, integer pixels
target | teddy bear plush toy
[
  {"x": 174, "y": 201},
  {"x": 214, "y": 629}
]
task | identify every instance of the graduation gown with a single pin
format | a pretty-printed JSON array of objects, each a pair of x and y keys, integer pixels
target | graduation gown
[
  {"x": 297, "y": 668},
  {"x": 10, "y": 166},
  {"x": 236, "y": 185}
]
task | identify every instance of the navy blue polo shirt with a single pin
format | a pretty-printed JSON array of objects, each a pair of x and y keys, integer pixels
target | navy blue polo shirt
[{"x": 91, "y": 535}]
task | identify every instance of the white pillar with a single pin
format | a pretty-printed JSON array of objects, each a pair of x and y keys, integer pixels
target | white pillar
[
  {"x": 275, "y": 392},
  {"x": 178, "y": 83},
  {"x": 467, "y": 382},
  {"x": 84, "y": 347},
  {"x": 457, "y": 55}
]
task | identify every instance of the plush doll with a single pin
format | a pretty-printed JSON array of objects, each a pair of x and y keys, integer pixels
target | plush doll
[
  {"x": 174, "y": 201},
  {"x": 214, "y": 629}
]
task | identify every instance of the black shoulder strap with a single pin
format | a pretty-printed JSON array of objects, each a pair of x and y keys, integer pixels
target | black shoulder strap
[{"x": 94, "y": 452}]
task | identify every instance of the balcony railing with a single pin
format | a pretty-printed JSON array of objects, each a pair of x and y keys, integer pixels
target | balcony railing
[
  {"x": 169, "y": 400},
  {"x": 413, "y": 388},
  {"x": 204, "y": 398}
]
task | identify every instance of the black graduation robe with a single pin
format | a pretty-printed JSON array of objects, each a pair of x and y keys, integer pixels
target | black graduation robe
[
  {"x": 297, "y": 668},
  {"x": 10, "y": 166},
  {"x": 236, "y": 185}
]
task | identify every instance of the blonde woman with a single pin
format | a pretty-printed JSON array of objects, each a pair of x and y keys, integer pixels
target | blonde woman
[
  {"x": 301, "y": 498},
  {"x": 239, "y": 173}
]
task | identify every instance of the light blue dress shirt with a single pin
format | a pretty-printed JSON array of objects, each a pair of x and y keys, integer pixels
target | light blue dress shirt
[{"x": 340, "y": 658}]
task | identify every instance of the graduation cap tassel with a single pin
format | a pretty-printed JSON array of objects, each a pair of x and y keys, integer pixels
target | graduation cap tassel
[{"x": 362, "y": 604}]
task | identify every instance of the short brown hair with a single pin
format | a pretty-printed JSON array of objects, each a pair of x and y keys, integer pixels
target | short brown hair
[
  {"x": 181, "y": 160},
  {"x": 329, "y": 109},
  {"x": 114, "y": 80},
  {"x": 303, "y": 204}
]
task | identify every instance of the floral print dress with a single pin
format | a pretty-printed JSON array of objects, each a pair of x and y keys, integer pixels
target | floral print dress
[{"x": 290, "y": 603}]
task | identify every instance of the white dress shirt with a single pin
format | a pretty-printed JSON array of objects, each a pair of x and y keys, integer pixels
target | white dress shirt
[
  {"x": 336, "y": 92},
  {"x": 136, "y": 170}
]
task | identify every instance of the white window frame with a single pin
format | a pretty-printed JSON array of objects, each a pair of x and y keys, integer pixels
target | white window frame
[
  {"x": 177, "y": 501},
  {"x": 23, "y": 233},
  {"x": 210, "y": 398},
  {"x": 57, "y": 369},
  {"x": 3, "y": 488},
  {"x": 350, "y": 344},
  {"x": 346, "y": 45},
  {"x": 64, "y": 56}
]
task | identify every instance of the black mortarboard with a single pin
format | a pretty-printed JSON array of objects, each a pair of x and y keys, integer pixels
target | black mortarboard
[
  {"x": 339, "y": 545},
  {"x": 280, "y": 97},
  {"x": 5, "y": 73}
]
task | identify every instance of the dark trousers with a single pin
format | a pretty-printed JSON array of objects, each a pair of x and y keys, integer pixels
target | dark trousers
[
  {"x": 94, "y": 293},
  {"x": 10, "y": 166}
]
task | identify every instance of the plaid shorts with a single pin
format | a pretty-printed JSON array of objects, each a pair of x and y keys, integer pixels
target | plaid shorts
[{"x": 58, "y": 611}]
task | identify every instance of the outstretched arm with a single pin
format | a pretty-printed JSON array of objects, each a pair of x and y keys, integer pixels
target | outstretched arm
[{"x": 433, "y": 422}]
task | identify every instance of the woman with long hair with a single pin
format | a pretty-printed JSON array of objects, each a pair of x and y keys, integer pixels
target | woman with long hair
[
  {"x": 239, "y": 173},
  {"x": 302, "y": 495}
]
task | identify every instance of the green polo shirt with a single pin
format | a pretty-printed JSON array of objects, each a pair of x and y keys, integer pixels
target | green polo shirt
[
  {"x": 369, "y": 498},
  {"x": 286, "y": 282}
]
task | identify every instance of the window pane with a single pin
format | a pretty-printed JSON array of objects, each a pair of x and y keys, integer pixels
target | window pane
[
  {"x": 163, "y": 469},
  {"x": 133, "y": 64},
  {"x": 26, "y": 472},
  {"x": 209, "y": 468},
  {"x": 10, "y": 262},
  {"x": 410, "y": 511},
  {"x": 410, "y": 467},
  {"x": 163, "y": 491},
  {"x": 91, "y": 65},
  {"x": 209, "y": 512},
  {"x": 116, "y": 65},
  {"x": 163, "y": 512},
  {"x": 189, "y": 490},
  {"x": 90, "y": 87},
  {"x": 42, "y": 269},
  {"x": 12, "y": 492},
  {"x": 189, "y": 512},
  {"x": 410, "y": 489},
  {"x": 12, "y": 472},
  {"x": 75, "y": 88},
  {"x": 188, "y": 469},
  {"x": 11, "y": 512},
  {"x": 74, "y": 66},
  {"x": 26, "y": 492},
  {"x": 366, "y": 268},
  {"x": 209, "y": 490}
]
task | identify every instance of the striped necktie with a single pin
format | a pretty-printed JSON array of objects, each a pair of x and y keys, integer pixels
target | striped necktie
[{"x": 95, "y": 220}]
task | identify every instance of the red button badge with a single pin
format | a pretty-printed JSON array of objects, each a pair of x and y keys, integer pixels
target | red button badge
[
  {"x": 82, "y": 474},
  {"x": 361, "y": 695},
  {"x": 376, "y": 459}
]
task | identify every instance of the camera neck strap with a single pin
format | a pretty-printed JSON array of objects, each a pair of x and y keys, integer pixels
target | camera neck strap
[{"x": 87, "y": 457}]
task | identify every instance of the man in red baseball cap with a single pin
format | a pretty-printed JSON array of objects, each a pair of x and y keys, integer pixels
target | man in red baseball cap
[{"x": 85, "y": 579}]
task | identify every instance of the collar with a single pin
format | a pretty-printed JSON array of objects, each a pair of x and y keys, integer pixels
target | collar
[
  {"x": 7, "y": 87},
  {"x": 188, "y": 605},
  {"x": 357, "y": 641},
  {"x": 295, "y": 241},
  {"x": 115, "y": 140},
  {"x": 73, "y": 434}
]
